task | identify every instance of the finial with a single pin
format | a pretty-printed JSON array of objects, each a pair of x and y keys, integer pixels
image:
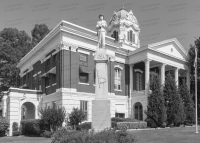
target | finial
[{"x": 123, "y": 4}]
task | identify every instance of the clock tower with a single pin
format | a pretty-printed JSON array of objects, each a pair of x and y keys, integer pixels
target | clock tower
[{"x": 124, "y": 27}]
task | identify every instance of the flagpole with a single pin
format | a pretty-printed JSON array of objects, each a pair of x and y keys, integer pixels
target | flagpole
[{"x": 196, "y": 90}]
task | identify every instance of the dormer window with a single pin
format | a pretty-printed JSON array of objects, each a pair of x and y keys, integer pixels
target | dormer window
[
  {"x": 131, "y": 36},
  {"x": 115, "y": 35}
]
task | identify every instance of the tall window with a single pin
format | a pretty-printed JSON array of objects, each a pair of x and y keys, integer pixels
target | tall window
[
  {"x": 47, "y": 81},
  {"x": 138, "y": 111},
  {"x": 84, "y": 108},
  {"x": 115, "y": 35},
  {"x": 138, "y": 81},
  {"x": 83, "y": 68},
  {"x": 117, "y": 82},
  {"x": 39, "y": 82},
  {"x": 47, "y": 65},
  {"x": 131, "y": 36},
  {"x": 53, "y": 78},
  {"x": 54, "y": 105},
  {"x": 54, "y": 60}
]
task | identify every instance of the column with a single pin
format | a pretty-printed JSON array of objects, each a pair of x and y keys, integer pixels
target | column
[
  {"x": 147, "y": 72},
  {"x": 131, "y": 89},
  {"x": 162, "y": 73},
  {"x": 188, "y": 78},
  {"x": 176, "y": 75}
]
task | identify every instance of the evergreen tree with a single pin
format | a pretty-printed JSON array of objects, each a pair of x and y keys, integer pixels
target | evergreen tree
[
  {"x": 156, "y": 110},
  {"x": 173, "y": 102},
  {"x": 188, "y": 103}
]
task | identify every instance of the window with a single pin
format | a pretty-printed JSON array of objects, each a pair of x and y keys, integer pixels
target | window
[
  {"x": 47, "y": 81},
  {"x": 117, "y": 82},
  {"x": 138, "y": 81},
  {"x": 47, "y": 65},
  {"x": 54, "y": 105},
  {"x": 83, "y": 107},
  {"x": 119, "y": 115},
  {"x": 35, "y": 82},
  {"x": 115, "y": 35},
  {"x": 131, "y": 36},
  {"x": 83, "y": 68},
  {"x": 39, "y": 82},
  {"x": 138, "y": 111},
  {"x": 54, "y": 60},
  {"x": 94, "y": 75},
  {"x": 53, "y": 78}
]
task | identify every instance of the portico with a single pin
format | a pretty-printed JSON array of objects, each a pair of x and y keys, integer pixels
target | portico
[{"x": 160, "y": 61}]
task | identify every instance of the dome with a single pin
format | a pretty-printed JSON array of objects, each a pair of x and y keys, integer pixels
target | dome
[{"x": 122, "y": 13}]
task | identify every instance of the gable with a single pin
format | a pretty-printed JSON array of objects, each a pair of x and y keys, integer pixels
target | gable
[
  {"x": 170, "y": 50},
  {"x": 170, "y": 47}
]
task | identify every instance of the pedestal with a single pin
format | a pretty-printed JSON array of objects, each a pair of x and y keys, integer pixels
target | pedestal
[{"x": 101, "y": 116}]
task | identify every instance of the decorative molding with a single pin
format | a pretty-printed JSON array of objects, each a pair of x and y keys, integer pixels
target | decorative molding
[
  {"x": 138, "y": 70},
  {"x": 120, "y": 60},
  {"x": 83, "y": 52},
  {"x": 35, "y": 75},
  {"x": 118, "y": 66}
]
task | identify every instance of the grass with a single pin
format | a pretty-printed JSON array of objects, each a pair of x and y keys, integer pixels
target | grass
[
  {"x": 23, "y": 139},
  {"x": 167, "y": 135}
]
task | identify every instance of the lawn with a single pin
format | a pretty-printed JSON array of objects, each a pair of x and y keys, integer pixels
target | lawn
[
  {"x": 23, "y": 139},
  {"x": 167, "y": 135}
]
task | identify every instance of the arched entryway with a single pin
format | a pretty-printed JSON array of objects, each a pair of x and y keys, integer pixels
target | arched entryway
[
  {"x": 138, "y": 110},
  {"x": 27, "y": 111}
]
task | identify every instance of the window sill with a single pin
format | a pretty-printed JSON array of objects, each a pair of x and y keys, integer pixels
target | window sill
[
  {"x": 48, "y": 86},
  {"x": 54, "y": 84},
  {"x": 118, "y": 90},
  {"x": 83, "y": 83}
]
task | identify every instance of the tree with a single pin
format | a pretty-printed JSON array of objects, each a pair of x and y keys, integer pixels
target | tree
[
  {"x": 191, "y": 54},
  {"x": 156, "y": 110},
  {"x": 14, "y": 44},
  {"x": 53, "y": 117},
  {"x": 38, "y": 33},
  {"x": 173, "y": 102},
  {"x": 76, "y": 117},
  {"x": 188, "y": 103}
]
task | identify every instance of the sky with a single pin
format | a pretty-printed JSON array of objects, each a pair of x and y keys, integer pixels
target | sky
[{"x": 158, "y": 19}]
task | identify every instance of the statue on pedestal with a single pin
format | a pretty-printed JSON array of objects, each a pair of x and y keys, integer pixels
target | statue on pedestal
[{"x": 101, "y": 31}]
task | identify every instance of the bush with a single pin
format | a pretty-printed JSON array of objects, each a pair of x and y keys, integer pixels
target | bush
[
  {"x": 53, "y": 117},
  {"x": 15, "y": 126},
  {"x": 116, "y": 119},
  {"x": 151, "y": 123},
  {"x": 131, "y": 125},
  {"x": 31, "y": 127},
  {"x": 16, "y": 133},
  {"x": 84, "y": 126},
  {"x": 47, "y": 134},
  {"x": 64, "y": 135},
  {"x": 3, "y": 126},
  {"x": 76, "y": 117},
  {"x": 113, "y": 124}
]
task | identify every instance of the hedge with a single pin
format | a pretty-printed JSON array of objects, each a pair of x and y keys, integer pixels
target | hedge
[
  {"x": 131, "y": 125},
  {"x": 116, "y": 119},
  {"x": 3, "y": 126},
  {"x": 31, "y": 127}
]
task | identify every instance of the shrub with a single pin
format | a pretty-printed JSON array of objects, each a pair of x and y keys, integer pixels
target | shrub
[
  {"x": 3, "y": 126},
  {"x": 76, "y": 117},
  {"x": 116, "y": 119},
  {"x": 53, "y": 117},
  {"x": 15, "y": 126},
  {"x": 16, "y": 133},
  {"x": 109, "y": 136},
  {"x": 113, "y": 124},
  {"x": 131, "y": 125},
  {"x": 84, "y": 126},
  {"x": 151, "y": 123},
  {"x": 31, "y": 127},
  {"x": 47, "y": 134}
]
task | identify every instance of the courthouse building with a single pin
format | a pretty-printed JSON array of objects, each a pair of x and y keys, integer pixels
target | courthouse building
[{"x": 60, "y": 70}]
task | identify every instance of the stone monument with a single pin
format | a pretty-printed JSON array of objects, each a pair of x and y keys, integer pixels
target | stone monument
[{"x": 101, "y": 116}]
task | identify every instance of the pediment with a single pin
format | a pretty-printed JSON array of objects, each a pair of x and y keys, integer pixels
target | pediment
[{"x": 170, "y": 47}]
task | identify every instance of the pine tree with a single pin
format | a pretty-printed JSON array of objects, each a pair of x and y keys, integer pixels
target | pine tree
[
  {"x": 156, "y": 110},
  {"x": 188, "y": 103},
  {"x": 173, "y": 102}
]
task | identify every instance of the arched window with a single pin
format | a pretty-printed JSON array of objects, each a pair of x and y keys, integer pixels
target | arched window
[
  {"x": 131, "y": 36},
  {"x": 138, "y": 80},
  {"x": 117, "y": 82},
  {"x": 115, "y": 35},
  {"x": 138, "y": 111}
]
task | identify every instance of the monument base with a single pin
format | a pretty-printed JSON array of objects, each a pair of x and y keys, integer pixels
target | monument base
[{"x": 101, "y": 116}]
